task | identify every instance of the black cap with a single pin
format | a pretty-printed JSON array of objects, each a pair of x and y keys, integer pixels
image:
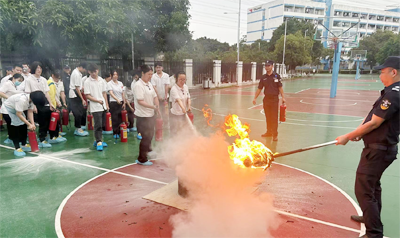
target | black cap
[
  {"x": 66, "y": 67},
  {"x": 8, "y": 68},
  {"x": 391, "y": 61},
  {"x": 269, "y": 62}
]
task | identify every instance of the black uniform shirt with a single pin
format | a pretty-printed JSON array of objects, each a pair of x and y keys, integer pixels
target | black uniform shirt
[
  {"x": 386, "y": 107},
  {"x": 270, "y": 83}
]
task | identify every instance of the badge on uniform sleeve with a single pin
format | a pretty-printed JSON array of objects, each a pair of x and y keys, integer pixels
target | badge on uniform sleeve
[
  {"x": 276, "y": 80},
  {"x": 385, "y": 104}
]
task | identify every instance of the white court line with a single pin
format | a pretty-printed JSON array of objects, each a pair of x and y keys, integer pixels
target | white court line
[
  {"x": 327, "y": 93},
  {"x": 302, "y": 90},
  {"x": 319, "y": 104},
  {"x": 331, "y": 99}
]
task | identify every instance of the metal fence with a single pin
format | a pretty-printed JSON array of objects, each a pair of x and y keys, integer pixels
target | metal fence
[
  {"x": 259, "y": 71},
  {"x": 202, "y": 71},
  {"x": 246, "y": 72},
  {"x": 228, "y": 72}
]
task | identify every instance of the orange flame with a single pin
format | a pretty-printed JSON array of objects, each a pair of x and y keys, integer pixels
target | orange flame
[{"x": 244, "y": 152}]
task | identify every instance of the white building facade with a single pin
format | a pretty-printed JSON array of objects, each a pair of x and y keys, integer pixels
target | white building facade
[{"x": 263, "y": 19}]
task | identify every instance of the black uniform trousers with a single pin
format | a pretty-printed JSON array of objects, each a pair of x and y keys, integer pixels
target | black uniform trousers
[
  {"x": 44, "y": 117},
  {"x": 98, "y": 118},
  {"x": 368, "y": 189},
  {"x": 79, "y": 112},
  {"x": 116, "y": 117},
  {"x": 131, "y": 117},
  {"x": 146, "y": 127},
  {"x": 18, "y": 134},
  {"x": 271, "y": 107}
]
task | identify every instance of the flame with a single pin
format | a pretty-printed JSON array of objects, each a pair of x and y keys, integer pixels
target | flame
[{"x": 244, "y": 152}]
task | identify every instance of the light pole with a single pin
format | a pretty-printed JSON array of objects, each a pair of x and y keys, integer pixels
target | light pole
[{"x": 238, "y": 40}]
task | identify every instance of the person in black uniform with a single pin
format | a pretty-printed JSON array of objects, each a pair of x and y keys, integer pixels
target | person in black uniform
[
  {"x": 380, "y": 133},
  {"x": 271, "y": 82}
]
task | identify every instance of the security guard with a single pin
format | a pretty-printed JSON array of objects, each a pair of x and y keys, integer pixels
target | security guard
[
  {"x": 380, "y": 132},
  {"x": 271, "y": 82}
]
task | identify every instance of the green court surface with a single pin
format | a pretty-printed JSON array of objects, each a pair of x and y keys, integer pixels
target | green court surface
[{"x": 32, "y": 188}]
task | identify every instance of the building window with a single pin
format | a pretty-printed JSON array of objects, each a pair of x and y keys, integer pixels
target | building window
[
  {"x": 364, "y": 16},
  {"x": 346, "y": 14},
  {"x": 338, "y": 13},
  {"x": 355, "y": 15},
  {"x": 372, "y": 17},
  {"x": 362, "y": 35},
  {"x": 363, "y": 26},
  {"x": 310, "y": 10},
  {"x": 380, "y": 18},
  {"x": 299, "y": 9},
  {"x": 378, "y": 27},
  {"x": 321, "y": 21},
  {"x": 395, "y": 19},
  {"x": 337, "y": 24},
  {"x": 396, "y": 29},
  {"x": 388, "y": 19},
  {"x": 346, "y": 24},
  {"x": 387, "y": 28},
  {"x": 354, "y": 23},
  {"x": 371, "y": 26}
]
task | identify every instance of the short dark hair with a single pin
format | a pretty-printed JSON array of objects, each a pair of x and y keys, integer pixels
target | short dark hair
[
  {"x": 178, "y": 73},
  {"x": 56, "y": 73},
  {"x": 145, "y": 68},
  {"x": 38, "y": 98},
  {"x": 83, "y": 65},
  {"x": 158, "y": 64},
  {"x": 35, "y": 65},
  {"x": 17, "y": 65},
  {"x": 25, "y": 63},
  {"x": 15, "y": 76},
  {"x": 92, "y": 67},
  {"x": 106, "y": 74}
]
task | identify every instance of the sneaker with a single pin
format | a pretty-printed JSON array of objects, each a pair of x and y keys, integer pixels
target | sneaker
[
  {"x": 134, "y": 129},
  {"x": 63, "y": 133},
  {"x": 8, "y": 141},
  {"x": 19, "y": 152},
  {"x": 80, "y": 132},
  {"x": 356, "y": 218},
  {"x": 26, "y": 148},
  {"x": 115, "y": 136},
  {"x": 83, "y": 127},
  {"x": 104, "y": 144},
  {"x": 53, "y": 140},
  {"x": 107, "y": 132},
  {"x": 147, "y": 163},
  {"x": 99, "y": 146},
  {"x": 61, "y": 139},
  {"x": 139, "y": 136},
  {"x": 44, "y": 144}
]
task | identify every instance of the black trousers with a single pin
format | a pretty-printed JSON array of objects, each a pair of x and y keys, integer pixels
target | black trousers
[
  {"x": 98, "y": 118},
  {"x": 18, "y": 134},
  {"x": 79, "y": 112},
  {"x": 146, "y": 127},
  {"x": 44, "y": 116},
  {"x": 116, "y": 117},
  {"x": 368, "y": 189},
  {"x": 131, "y": 117},
  {"x": 271, "y": 107}
]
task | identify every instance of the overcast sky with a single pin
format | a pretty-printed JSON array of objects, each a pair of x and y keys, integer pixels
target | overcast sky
[{"x": 208, "y": 18}]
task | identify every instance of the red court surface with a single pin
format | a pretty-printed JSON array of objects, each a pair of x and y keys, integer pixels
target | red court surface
[{"x": 111, "y": 205}]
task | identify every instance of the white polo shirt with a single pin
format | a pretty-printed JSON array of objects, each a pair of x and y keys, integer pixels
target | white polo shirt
[
  {"x": 19, "y": 102},
  {"x": 96, "y": 87},
  {"x": 182, "y": 94},
  {"x": 33, "y": 84},
  {"x": 75, "y": 81},
  {"x": 9, "y": 89},
  {"x": 5, "y": 79},
  {"x": 59, "y": 88},
  {"x": 144, "y": 91},
  {"x": 117, "y": 89},
  {"x": 160, "y": 82}
]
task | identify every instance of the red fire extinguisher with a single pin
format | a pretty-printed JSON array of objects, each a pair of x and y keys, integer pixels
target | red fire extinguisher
[
  {"x": 84, "y": 98},
  {"x": 124, "y": 132},
  {"x": 65, "y": 117},
  {"x": 282, "y": 113},
  {"x": 53, "y": 121},
  {"x": 1, "y": 119},
  {"x": 32, "y": 141},
  {"x": 124, "y": 115},
  {"x": 90, "y": 122},
  {"x": 191, "y": 116},
  {"x": 108, "y": 122},
  {"x": 159, "y": 129}
]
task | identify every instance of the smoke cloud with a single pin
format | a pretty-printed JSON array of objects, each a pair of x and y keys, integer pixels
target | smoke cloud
[{"x": 221, "y": 193}]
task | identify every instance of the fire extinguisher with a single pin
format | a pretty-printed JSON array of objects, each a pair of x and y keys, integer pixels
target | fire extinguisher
[
  {"x": 191, "y": 116},
  {"x": 90, "y": 122},
  {"x": 108, "y": 122},
  {"x": 84, "y": 98},
  {"x": 124, "y": 132},
  {"x": 159, "y": 129},
  {"x": 53, "y": 121},
  {"x": 1, "y": 119},
  {"x": 65, "y": 117},
  {"x": 32, "y": 141},
  {"x": 124, "y": 115},
  {"x": 282, "y": 113}
]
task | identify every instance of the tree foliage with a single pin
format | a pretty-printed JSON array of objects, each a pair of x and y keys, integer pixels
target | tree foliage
[
  {"x": 375, "y": 43},
  {"x": 390, "y": 48}
]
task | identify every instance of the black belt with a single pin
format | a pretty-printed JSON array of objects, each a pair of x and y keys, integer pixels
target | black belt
[{"x": 382, "y": 147}]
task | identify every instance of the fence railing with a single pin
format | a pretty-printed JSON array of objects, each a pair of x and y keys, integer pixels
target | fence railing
[
  {"x": 202, "y": 71},
  {"x": 259, "y": 71},
  {"x": 228, "y": 72},
  {"x": 246, "y": 72}
]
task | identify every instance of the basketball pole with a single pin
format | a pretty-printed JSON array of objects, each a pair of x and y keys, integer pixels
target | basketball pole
[
  {"x": 335, "y": 70},
  {"x": 358, "y": 75}
]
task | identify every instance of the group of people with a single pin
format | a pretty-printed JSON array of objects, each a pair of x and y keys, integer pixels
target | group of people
[{"x": 29, "y": 99}]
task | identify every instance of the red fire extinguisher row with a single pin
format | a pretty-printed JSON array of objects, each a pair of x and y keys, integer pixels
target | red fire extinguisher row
[
  {"x": 159, "y": 129},
  {"x": 108, "y": 122},
  {"x": 124, "y": 115},
  {"x": 53, "y": 121},
  {"x": 32, "y": 141},
  {"x": 282, "y": 113},
  {"x": 124, "y": 132},
  {"x": 90, "y": 122}
]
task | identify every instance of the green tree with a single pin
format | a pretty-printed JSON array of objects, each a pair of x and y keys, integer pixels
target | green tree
[{"x": 390, "y": 48}]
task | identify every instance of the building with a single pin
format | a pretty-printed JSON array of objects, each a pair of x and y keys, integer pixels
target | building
[{"x": 263, "y": 19}]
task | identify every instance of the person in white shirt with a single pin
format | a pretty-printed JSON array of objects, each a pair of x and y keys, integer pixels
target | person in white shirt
[
  {"x": 181, "y": 103},
  {"x": 160, "y": 81},
  {"x": 38, "y": 83},
  {"x": 117, "y": 102},
  {"x": 8, "y": 89},
  {"x": 106, "y": 78},
  {"x": 95, "y": 91},
  {"x": 129, "y": 98},
  {"x": 26, "y": 73},
  {"x": 146, "y": 103},
  {"x": 15, "y": 70},
  {"x": 77, "y": 102},
  {"x": 19, "y": 125}
]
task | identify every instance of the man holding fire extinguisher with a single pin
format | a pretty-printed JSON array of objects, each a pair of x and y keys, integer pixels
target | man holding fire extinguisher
[{"x": 271, "y": 82}]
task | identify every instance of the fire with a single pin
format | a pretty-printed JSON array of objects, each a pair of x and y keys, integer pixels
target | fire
[
  {"x": 244, "y": 152},
  {"x": 207, "y": 112}
]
